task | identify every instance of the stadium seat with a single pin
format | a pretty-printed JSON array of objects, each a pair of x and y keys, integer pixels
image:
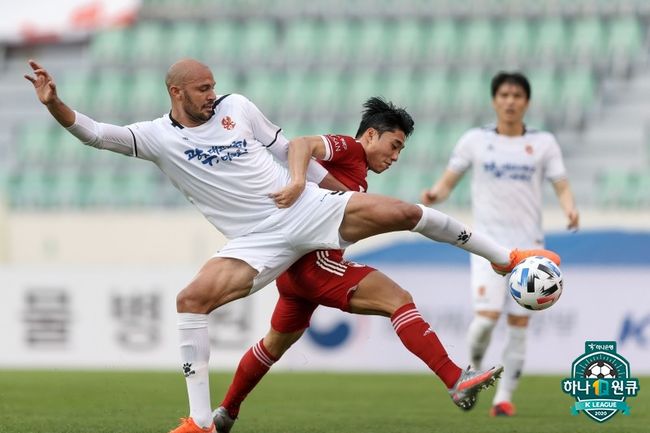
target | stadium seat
[
  {"x": 33, "y": 144},
  {"x": 614, "y": 188},
  {"x": 625, "y": 44},
  {"x": 587, "y": 40},
  {"x": 358, "y": 88},
  {"x": 109, "y": 96},
  {"x": 399, "y": 87},
  {"x": 221, "y": 43},
  {"x": 371, "y": 43},
  {"x": 148, "y": 97},
  {"x": 336, "y": 51},
  {"x": 550, "y": 42},
  {"x": 441, "y": 41},
  {"x": 185, "y": 40},
  {"x": 110, "y": 46},
  {"x": 479, "y": 42},
  {"x": 266, "y": 90},
  {"x": 433, "y": 92},
  {"x": 302, "y": 41},
  {"x": 259, "y": 44},
  {"x": 76, "y": 89},
  {"x": 323, "y": 94},
  {"x": 472, "y": 92},
  {"x": 514, "y": 42},
  {"x": 577, "y": 92},
  {"x": 146, "y": 43},
  {"x": 405, "y": 46},
  {"x": 545, "y": 98}
]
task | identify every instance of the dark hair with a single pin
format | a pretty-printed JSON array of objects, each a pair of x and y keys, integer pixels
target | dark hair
[
  {"x": 384, "y": 116},
  {"x": 516, "y": 78}
]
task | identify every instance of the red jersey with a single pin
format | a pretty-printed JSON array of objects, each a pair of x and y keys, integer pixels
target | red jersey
[{"x": 345, "y": 159}]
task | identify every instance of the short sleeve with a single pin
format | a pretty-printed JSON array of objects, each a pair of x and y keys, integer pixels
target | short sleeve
[
  {"x": 264, "y": 130},
  {"x": 554, "y": 169},
  {"x": 145, "y": 144},
  {"x": 461, "y": 157},
  {"x": 337, "y": 146}
]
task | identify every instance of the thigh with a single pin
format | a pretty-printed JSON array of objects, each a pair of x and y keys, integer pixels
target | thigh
[
  {"x": 269, "y": 253},
  {"x": 220, "y": 280},
  {"x": 370, "y": 214},
  {"x": 291, "y": 313}
]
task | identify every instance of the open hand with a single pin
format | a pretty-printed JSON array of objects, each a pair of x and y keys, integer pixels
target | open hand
[{"x": 43, "y": 83}]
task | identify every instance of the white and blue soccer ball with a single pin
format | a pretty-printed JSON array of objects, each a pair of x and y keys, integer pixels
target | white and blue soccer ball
[{"x": 536, "y": 283}]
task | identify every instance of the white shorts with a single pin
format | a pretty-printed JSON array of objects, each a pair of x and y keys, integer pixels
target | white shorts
[{"x": 312, "y": 223}]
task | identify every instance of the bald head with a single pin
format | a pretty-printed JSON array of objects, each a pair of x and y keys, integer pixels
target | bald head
[{"x": 185, "y": 71}]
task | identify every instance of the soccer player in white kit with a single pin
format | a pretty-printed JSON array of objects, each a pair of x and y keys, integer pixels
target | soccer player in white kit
[
  {"x": 509, "y": 162},
  {"x": 219, "y": 152}
]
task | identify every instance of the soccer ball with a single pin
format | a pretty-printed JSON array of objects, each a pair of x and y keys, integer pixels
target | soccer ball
[
  {"x": 536, "y": 283},
  {"x": 600, "y": 370}
]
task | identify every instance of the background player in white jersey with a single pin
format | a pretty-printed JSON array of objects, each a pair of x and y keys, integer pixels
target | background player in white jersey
[
  {"x": 217, "y": 152},
  {"x": 509, "y": 163}
]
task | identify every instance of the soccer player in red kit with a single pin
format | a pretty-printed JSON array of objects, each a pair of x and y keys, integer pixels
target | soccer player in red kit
[{"x": 324, "y": 277}]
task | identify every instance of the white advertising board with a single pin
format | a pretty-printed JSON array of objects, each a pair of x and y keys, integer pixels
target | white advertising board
[{"x": 124, "y": 317}]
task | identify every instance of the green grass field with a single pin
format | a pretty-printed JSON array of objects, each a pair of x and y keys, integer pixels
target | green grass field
[{"x": 130, "y": 402}]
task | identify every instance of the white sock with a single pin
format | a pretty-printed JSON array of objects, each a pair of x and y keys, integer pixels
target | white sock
[
  {"x": 513, "y": 362},
  {"x": 443, "y": 228},
  {"x": 195, "y": 356},
  {"x": 479, "y": 335}
]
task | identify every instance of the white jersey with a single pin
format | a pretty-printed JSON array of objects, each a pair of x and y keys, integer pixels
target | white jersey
[
  {"x": 507, "y": 176},
  {"x": 224, "y": 167}
]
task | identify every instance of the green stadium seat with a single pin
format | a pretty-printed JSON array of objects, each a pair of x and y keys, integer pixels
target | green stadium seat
[
  {"x": 323, "y": 94},
  {"x": 34, "y": 144},
  {"x": 302, "y": 42},
  {"x": 76, "y": 88},
  {"x": 221, "y": 43},
  {"x": 472, "y": 92},
  {"x": 515, "y": 41},
  {"x": 259, "y": 43},
  {"x": 433, "y": 92},
  {"x": 358, "y": 88},
  {"x": 479, "y": 42},
  {"x": 461, "y": 196},
  {"x": 587, "y": 39},
  {"x": 148, "y": 96},
  {"x": 544, "y": 90},
  {"x": 577, "y": 92},
  {"x": 185, "y": 40},
  {"x": 110, "y": 46},
  {"x": 550, "y": 42},
  {"x": 370, "y": 43},
  {"x": 227, "y": 81},
  {"x": 265, "y": 89},
  {"x": 399, "y": 87},
  {"x": 640, "y": 193},
  {"x": 110, "y": 93},
  {"x": 420, "y": 150},
  {"x": 138, "y": 188},
  {"x": 147, "y": 42},
  {"x": 441, "y": 40},
  {"x": 67, "y": 187},
  {"x": 406, "y": 44},
  {"x": 625, "y": 44},
  {"x": 336, "y": 49}
]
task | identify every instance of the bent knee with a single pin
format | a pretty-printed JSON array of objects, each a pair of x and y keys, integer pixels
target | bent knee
[
  {"x": 411, "y": 214},
  {"x": 194, "y": 299}
]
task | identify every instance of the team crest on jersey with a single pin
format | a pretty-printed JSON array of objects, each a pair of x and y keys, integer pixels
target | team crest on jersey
[
  {"x": 228, "y": 123},
  {"x": 529, "y": 149}
]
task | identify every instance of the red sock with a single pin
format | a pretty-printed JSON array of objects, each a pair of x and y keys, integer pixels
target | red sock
[
  {"x": 251, "y": 369},
  {"x": 418, "y": 337}
]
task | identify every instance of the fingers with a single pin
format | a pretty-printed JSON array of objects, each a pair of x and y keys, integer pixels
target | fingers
[
  {"x": 34, "y": 65},
  {"x": 30, "y": 79}
]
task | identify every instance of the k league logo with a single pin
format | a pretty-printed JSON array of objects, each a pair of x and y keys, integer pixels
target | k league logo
[{"x": 600, "y": 382}]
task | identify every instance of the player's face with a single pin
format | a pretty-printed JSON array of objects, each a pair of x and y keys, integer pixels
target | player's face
[
  {"x": 198, "y": 97},
  {"x": 510, "y": 103},
  {"x": 383, "y": 150}
]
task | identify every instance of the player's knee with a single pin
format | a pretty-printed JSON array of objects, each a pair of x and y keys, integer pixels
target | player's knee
[
  {"x": 403, "y": 297},
  {"x": 193, "y": 299},
  {"x": 410, "y": 214}
]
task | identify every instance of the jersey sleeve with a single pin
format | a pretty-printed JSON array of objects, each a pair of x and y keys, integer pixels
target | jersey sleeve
[
  {"x": 337, "y": 146},
  {"x": 145, "y": 144},
  {"x": 554, "y": 169},
  {"x": 264, "y": 130},
  {"x": 461, "y": 157}
]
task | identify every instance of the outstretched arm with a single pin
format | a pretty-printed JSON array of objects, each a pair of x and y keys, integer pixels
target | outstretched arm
[
  {"x": 100, "y": 135},
  {"x": 301, "y": 150},
  {"x": 441, "y": 189},
  {"x": 567, "y": 202}
]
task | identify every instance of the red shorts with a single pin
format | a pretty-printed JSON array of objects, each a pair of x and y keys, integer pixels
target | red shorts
[{"x": 318, "y": 278}]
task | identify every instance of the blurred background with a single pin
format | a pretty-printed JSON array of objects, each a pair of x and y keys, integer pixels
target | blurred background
[{"x": 93, "y": 244}]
